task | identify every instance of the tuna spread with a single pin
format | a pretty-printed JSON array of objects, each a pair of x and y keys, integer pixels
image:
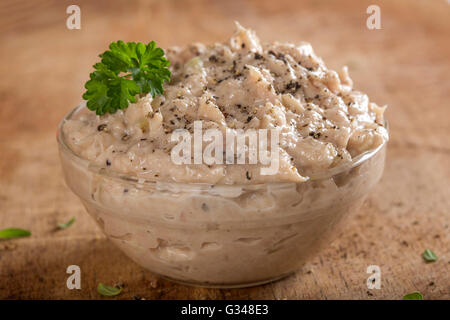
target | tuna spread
[{"x": 242, "y": 84}]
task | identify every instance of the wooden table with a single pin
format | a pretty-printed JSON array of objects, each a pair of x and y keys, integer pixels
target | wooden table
[{"x": 405, "y": 65}]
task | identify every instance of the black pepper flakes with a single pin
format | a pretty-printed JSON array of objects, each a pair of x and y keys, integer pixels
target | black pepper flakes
[
  {"x": 258, "y": 56},
  {"x": 233, "y": 69},
  {"x": 205, "y": 207},
  {"x": 101, "y": 127},
  {"x": 290, "y": 85},
  {"x": 293, "y": 85},
  {"x": 315, "y": 135},
  {"x": 247, "y": 175}
]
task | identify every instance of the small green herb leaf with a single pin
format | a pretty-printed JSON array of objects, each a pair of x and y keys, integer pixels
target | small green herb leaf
[
  {"x": 67, "y": 224},
  {"x": 429, "y": 256},
  {"x": 108, "y": 291},
  {"x": 14, "y": 233},
  {"x": 126, "y": 69},
  {"x": 413, "y": 296}
]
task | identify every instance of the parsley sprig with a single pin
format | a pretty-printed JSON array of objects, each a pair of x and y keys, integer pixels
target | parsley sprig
[
  {"x": 429, "y": 256},
  {"x": 108, "y": 291},
  {"x": 63, "y": 226},
  {"x": 11, "y": 233},
  {"x": 126, "y": 70},
  {"x": 413, "y": 296}
]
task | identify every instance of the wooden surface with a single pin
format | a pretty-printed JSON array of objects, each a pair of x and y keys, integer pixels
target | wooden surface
[{"x": 405, "y": 65}]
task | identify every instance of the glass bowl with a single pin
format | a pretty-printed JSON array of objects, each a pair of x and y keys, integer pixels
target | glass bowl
[{"x": 219, "y": 235}]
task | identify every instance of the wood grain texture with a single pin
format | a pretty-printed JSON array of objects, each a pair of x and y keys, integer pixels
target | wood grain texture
[{"x": 405, "y": 65}]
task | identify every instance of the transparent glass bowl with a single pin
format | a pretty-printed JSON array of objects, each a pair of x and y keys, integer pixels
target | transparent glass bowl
[{"x": 219, "y": 235}]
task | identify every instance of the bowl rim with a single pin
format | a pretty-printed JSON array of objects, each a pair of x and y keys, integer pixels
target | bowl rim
[{"x": 130, "y": 178}]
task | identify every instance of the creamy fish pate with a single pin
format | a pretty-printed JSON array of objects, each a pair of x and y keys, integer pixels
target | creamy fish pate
[{"x": 242, "y": 84}]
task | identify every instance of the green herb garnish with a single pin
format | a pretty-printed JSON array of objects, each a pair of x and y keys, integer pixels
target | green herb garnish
[
  {"x": 413, "y": 296},
  {"x": 11, "y": 233},
  {"x": 127, "y": 69},
  {"x": 67, "y": 224},
  {"x": 108, "y": 291},
  {"x": 429, "y": 256}
]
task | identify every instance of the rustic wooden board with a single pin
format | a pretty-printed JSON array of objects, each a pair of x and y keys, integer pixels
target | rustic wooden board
[{"x": 405, "y": 65}]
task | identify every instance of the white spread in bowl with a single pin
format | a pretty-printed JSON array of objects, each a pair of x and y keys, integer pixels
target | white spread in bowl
[
  {"x": 228, "y": 225},
  {"x": 243, "y": 84}
]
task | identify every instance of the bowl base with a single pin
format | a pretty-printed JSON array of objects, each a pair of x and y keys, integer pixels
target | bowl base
[{"x": 226, "y": 285}]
